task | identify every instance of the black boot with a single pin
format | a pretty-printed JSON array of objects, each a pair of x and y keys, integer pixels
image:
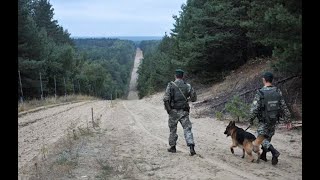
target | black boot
[
  {"x": 275, "y": 154},
  {"x": 172, "y": 149},
  {"x": 192, "y": 151},
  {"x": 263, "y": 155}
]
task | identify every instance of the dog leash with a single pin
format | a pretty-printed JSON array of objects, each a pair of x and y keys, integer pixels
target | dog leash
[{"x": 248, "y": 127}]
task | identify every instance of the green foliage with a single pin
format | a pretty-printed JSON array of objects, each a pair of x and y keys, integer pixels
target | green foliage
[
  {"x": 97, "y": 67},
  {"x": 157, "y": 67},
  {"x": 115, "y": 57},
  {"x": 43, "y": 16},
  {"x": 278, "y": 23},
  {"x": 219, "y": 116},
  {"x": 209, "y": 38},
  {"x": 237, "y": 108},
  {"x": 212, "y": 37}
]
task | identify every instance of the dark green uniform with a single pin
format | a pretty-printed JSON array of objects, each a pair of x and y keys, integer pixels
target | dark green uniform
[
  {"x": 178, "y": 109},
  {"x": 267, "y": 127}
]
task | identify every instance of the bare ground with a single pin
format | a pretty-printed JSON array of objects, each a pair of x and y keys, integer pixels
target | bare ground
[
  {"x": 133, "y": 94},
  {"x": 132, "y": 140}
]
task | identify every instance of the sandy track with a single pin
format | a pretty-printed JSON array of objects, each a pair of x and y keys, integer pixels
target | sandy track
[
  {"x": 133, "y": 93},
  {"x": 134, "y": 142},
  {"x": 212, "y": 147}
]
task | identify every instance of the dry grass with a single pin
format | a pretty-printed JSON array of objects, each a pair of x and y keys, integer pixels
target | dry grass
[
  {"x": 32, "y": 104},
  {"x": 115, "y": 169},
  {"x": 105, "y": 170},
  {"x": 60, "y": 159}
]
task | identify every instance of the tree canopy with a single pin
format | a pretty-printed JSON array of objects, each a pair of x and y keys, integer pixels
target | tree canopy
[
  {"x": 212, "y": 37},
  {"x": 98, "y": 67}
]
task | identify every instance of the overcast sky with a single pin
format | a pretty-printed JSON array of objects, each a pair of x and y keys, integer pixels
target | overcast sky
[{"x": 116, "y": 17}]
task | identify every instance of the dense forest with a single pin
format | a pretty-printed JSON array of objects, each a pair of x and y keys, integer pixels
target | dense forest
[
  {"x": 212, "y": 37},
  {"x": 50, "y": 62},
  {"x": 209, "y": 39},
  {"x": 115, "y": 57}
]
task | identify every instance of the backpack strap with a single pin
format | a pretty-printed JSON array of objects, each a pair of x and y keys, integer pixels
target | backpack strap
[
  {"x": 262, "y": 93},
  {"x": 171, "y": 92},
  {"x": 262, "y": 99},
  {"x": 180, "y": 91}
]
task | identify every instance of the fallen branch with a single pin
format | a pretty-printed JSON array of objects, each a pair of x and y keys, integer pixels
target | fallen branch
[
  {"x": 286, "y": 79},
  {"x": 246, "y": 92},
  {"x": 276, "y": 83},
  {"x": 283, "y": 126}
]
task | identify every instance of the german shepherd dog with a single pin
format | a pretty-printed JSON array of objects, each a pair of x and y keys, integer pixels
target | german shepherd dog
[{"x": 245, "y": 140}]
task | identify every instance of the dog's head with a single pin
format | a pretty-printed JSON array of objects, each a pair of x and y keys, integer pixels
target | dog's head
[{"x": 231, "y": 126}]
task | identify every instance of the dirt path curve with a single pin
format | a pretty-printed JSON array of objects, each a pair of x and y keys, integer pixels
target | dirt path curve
[{"x": 134, "y": 140}]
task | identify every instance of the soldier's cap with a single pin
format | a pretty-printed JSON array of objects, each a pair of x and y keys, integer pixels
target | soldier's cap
[
  {"x": 267, "y": 75},
  {"x": 179, "y": 72}
]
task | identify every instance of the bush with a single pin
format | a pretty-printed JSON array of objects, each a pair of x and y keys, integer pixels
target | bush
[{"x": 237, "y": 108}]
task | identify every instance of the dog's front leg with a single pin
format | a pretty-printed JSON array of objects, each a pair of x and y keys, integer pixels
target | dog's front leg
[
  {"x": 258, "y": 152},
  {"x": 231, "y": 148},
  {"x": 251, "y": 159},
  {"x": 258, "y": 160},
  {"x": 256, "y": 149},
  {"x": 243, "y": 152}
]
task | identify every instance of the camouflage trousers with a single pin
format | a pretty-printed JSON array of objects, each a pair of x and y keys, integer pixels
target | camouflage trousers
[
  {"x": 266, "y": 129},
  {"x": 181, "y": 116}
]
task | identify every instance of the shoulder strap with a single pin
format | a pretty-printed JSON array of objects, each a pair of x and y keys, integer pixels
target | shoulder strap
[
  {"x": 262, "y": 99},
  {"x": 179, "y": 90},
  {"x": 261, "y": 92}
]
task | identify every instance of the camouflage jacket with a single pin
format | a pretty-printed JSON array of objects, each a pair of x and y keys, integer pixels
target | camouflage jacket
[{"x": 255, "y": 110}]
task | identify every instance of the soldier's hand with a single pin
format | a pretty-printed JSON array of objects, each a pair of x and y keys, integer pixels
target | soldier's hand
[{"x": 289, "y": 125}]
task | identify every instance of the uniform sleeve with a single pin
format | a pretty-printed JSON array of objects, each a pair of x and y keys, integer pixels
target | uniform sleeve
[
  {"x": 166, "y": 96},
  {"x": 255, "y": 106},
  {"x": 284, "y": 108}
]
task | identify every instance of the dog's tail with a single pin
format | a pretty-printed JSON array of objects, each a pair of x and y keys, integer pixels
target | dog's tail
[{"x": 258, "y": 141}]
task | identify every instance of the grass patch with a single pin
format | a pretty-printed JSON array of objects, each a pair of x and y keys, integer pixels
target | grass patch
[
  {"x": 220, "y": 116},
  {"x": 60, "y": 160},
  {"x": 105, "y": 170}
]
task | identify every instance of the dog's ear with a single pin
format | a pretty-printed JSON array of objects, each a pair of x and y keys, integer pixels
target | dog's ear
[
  {"x": 230, "y": 123},
  {"x": 233, "y": 123}
]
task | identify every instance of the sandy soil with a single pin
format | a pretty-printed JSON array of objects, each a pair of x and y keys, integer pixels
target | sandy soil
[{"x": 133, "y": 93}]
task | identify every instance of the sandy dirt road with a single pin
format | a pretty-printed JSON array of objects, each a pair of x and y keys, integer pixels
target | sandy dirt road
[
  {"x": 133, "y": 93},
  {"x": 134, "y": 141}
]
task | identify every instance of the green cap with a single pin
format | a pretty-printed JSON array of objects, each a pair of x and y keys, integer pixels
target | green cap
[
  {"x": 179, "y": 72},
  {"x": 268, "y": 75}
]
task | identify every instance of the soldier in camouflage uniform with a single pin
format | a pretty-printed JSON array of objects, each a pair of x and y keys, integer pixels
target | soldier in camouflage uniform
[
  {"x": 176, "y": 98},
  {"x": 268, "y": 106}
]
